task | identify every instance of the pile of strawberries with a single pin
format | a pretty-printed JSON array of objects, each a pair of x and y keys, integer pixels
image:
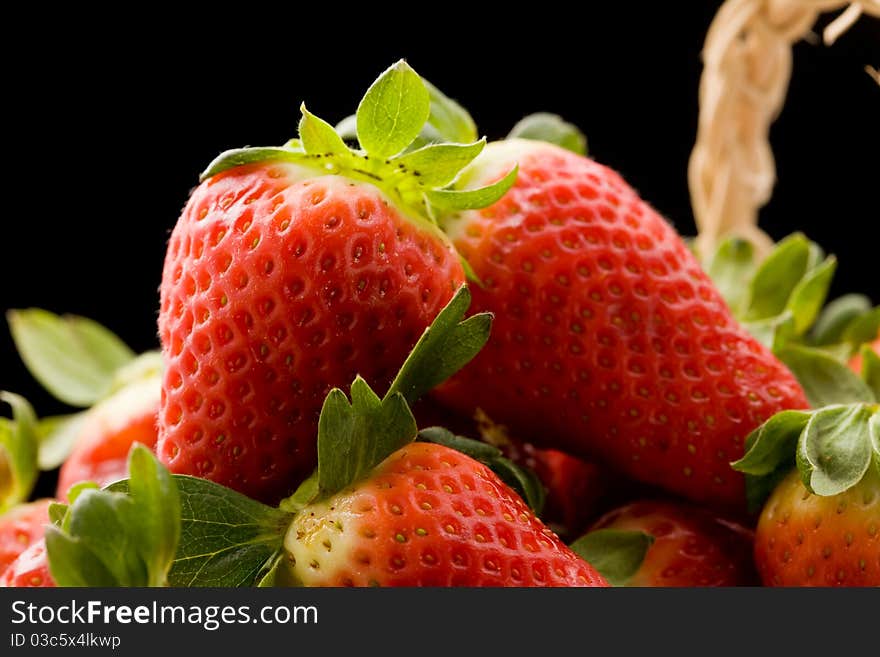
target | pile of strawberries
[{"x": 395, "y": 355}]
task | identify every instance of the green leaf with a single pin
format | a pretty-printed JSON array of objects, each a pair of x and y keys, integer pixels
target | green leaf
[
  {"x": 874, "y": 431},
  {"x": 836, "y": 316},
  {"x": 154, "y": 493},
  {"x": 759, "y": 488},
  {"x": 447, "y": 121},
  {"x": 770, "y": 454},
  {"x": 318, "y": 137},
  {"x": 393, "y": 111},
  {"x": 354, "y": 438},
  {"x": 777, "y": 277},
  {"x": 237, "y": 157},
  {"x": 272, "y": 572},
  {"x": 148, "y": 365},
  {"x": 347, "y": 128},
  {"x": 617, "y": 554},
  {"x": 476, "y": 449},
  {"x": 809, "y": 295},
  {"x": 57, "y": 512},
  {"x": 522, "y": 480},
  {"x": 871, "y": 369},
  {"x": 72, "y": 562},
  {"x": 74, "y": 358},
  {"x": 306, "y": 493},
  {"x": 825, "y": 380},
  {"x": 863, "y": 328},
  {"x": 551, "y": 128},
  {"x": 226, "y": 538},
  {"x": 732, "y": 265},
  {"x": 772, "y": 445},
  {"x": 76, "y": 490},
  {"x": 18, "y": 452},
  {"x": 446, "y": 346},
  {"x": 834, "y": 451},
  {"x": 102, "y": 523},
  {"x": 453, "y": 200},
  {"x": 774, "y": 332},
  {"x": 57, "y": 435},
  {"x": 114, "y": 538},
  {"x": 437, "y": 165}
]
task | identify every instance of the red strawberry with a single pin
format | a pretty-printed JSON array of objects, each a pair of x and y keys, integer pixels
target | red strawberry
[
  {"x": 291, "y": 270},
  {"x": 821, "y": 523},
  {"x": 19, "y": 527},
  {"x": 805, "y": 539},
  {"x": 382, "y": 510},
  {"x": 429, "y": 516},
  {"x": 30, "y": 569},
  {"x": 691, "y": 547},
  {"x": 609, "y": 340},
  {"x": 106, "y": 435}
]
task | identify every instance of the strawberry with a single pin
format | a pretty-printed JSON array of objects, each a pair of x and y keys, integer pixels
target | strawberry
[
  {"x": 805, "y": 539},
  {"x": 691, "y": 547},
  {"x": 610, "y": 341},
  {"x": 429, "y": 516},
  {"x": 107, "y": 432},
  {"x": 820, "y": 525},
  {"x": 19, "y": 527},
  {"x": 382, "y": 510},
  {"x": 30, "y": 569},
  {"x": 292, "y": 269}
]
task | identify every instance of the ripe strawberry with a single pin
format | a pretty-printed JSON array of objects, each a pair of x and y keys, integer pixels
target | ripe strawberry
[
  {"x": 821, "y": 523},
  {"x": 30, "y": 569},
  {"x": 429, "y": 516},
  {"x": 19, "y": 527},
  {"x": 291, "y": 270},
  {"x": 107, "y": 432},
  {"x": 805, "y": 539},
  {"x": 610, "y": 341},
  {"x": 382, "y": 510},
  {"x": 692, "y": 547}
]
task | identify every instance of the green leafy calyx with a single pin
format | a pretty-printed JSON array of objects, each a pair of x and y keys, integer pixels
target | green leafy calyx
[
  {"x": 113, "y": 538},
  {"x": 391, "y": 118},
  {"x": 833, "y": 447},
  {"x": 18, "y": 451},
  {"x": 550, "y": 128},
  {"x": 616, "y": 553}
]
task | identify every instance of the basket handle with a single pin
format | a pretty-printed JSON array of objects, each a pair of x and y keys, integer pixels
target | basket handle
[{"x": 747, "y": 68}]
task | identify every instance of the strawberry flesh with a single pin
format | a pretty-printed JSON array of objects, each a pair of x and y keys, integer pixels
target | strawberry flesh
[
  {"x": 609, "y": 341},
  {"x": 430, "y": 516},
  {"x": 278, "y": 285}
]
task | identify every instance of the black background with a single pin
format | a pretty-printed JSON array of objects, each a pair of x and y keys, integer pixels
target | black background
[{"x": 109, "y": 128}]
